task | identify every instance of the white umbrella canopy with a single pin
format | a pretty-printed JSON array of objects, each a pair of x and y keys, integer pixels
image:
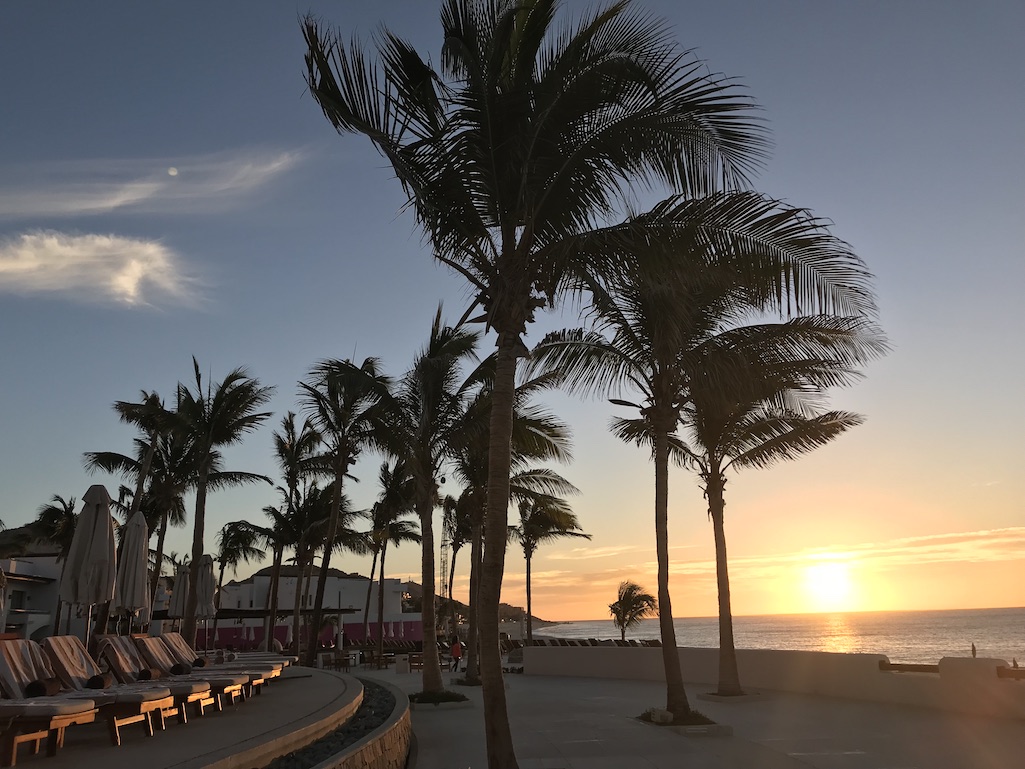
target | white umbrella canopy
[
  {"x": 131, "y": 587},
  {"x": 180, "y": 593},
  {"x": 206, "y": 587},
  {"x": 89, "y": 569}
]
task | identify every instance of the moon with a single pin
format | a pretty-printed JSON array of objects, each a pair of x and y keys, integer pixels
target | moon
[{"x": 172, "y": 171}]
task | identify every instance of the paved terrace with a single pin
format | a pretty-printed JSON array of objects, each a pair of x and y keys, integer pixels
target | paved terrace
[{"x": 572, "y": 723}]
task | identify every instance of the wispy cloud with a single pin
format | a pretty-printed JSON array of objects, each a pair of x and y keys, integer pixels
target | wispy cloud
[
  {"x": 588, "y": 553},
  {"x": 198, "y": 184},
  {"x": 95, "y": 268}
]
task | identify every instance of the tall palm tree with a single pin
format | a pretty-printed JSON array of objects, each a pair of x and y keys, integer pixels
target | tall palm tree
[
  {"x": 343, "y": 400},
  {"x": 424, "y": 421},
  {"x": 295, "y": 451},
  {"x": 632, "y": 605},
  {"x": 759, "y": 401},
  {"x": 395, "y": 501},
  {"x": 736, "y": 254},
  {"x": 524, "y": 141},
  {"x": 237, "y": 543},
  {"x": 212, "y": 417},
  {"x": 542, "y": 520},
  {"x": 55, "y": 521}
]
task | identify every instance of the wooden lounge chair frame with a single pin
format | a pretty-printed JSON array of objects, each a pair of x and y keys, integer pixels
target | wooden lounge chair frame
[{"x": 155, "y": 653}]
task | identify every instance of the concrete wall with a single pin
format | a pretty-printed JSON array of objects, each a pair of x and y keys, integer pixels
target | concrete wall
[{"x": 962, "y": 684}]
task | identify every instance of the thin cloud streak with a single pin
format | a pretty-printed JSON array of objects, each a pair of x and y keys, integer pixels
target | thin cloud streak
[
  {"x": 95, "y": 268},
  {"x": 200, "y": 184}
]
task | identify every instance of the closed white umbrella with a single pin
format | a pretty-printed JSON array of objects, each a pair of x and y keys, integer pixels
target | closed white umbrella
[
  {"x": 90, "y": 567},
  {"x": 131, "y": 586},
  {"x": 180, "y": 593}
]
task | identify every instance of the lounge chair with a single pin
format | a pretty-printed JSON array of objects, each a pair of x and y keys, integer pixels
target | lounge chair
[
  {"x": 122, "y": 658},
  {"x": 226, "y": 686},
  {"x": 184, "y": 654},
  {"x": 131, "y": 703},
  {"x": 31, "y": 720}
]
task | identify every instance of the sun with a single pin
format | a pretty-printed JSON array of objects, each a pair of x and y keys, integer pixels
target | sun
[{"x": 828, "y": 585}]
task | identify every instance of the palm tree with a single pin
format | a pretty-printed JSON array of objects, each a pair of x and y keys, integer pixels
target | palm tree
[
  {"x": 758, "y": 402},
  {"x": 737, "y": 254},
  {"x": 236, "y": 544},
  {"x": 395, "y": 501},
  {"x": 295, "y": 451},
  {"x": 394, "y": 532},
  {"x": 344, "y": 403},
  {"x": 542, "y": 520},
  {"x": 632, "y": 605},
  {"x": 527, "y": 138},
  {"x": 210, "y": 418},
  {"x": 457, "y": 530},
  {"x": 424, "y": 421},
  {"x": 55, "y": 521}
]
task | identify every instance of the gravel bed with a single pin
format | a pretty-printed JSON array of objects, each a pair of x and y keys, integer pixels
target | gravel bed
[{"x": 378, "y": 705}]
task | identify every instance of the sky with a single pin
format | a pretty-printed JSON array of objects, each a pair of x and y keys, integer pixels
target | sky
[{"x": 168, "y": 189}]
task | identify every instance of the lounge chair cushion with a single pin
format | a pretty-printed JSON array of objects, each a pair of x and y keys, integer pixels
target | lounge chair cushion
[
  {"x": 21, "y": 663},
  {"x": 55, "y": 706},
  {"x": 43, "y": 687}
]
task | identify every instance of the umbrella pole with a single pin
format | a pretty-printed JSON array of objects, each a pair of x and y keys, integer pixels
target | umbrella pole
[{"x": 88, "y": 624}]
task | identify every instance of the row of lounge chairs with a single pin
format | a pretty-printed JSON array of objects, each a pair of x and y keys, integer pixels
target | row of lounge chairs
[
  {"x": 508, "y": 646},
  {"x": 50, "y": 686}
]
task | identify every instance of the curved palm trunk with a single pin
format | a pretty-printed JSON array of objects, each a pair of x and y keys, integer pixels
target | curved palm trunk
[
  {"x": 501, "y": 754},
  {"x": 370, "y": 589},
  {"x": 729, "y": 676},
  {"x": 329, "y": 545},
  {"x": 380, "y": 607},
  {"x": 530, "y": 629},
  {"x": 476, "y": 545},
  {"x": 161, "y": 535},
  {"x": 676, "y": 695},
  {"x": 432, "y": 680},
  {"x": 272, "y": 599},
  {"x": 188, "y": 629},
  {"x": 451, "y": 579}
]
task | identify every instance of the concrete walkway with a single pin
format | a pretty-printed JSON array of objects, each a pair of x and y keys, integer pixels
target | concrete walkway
[{"x": 573, "y": 723}]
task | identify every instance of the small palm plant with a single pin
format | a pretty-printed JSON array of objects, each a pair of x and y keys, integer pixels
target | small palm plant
[{"x": 631, "y": 606}]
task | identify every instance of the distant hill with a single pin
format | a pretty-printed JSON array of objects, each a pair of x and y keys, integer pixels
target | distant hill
[{"x": 506, "y": 612}]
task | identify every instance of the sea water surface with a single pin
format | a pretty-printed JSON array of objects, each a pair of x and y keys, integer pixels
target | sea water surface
[{"x": 903, "y": 636}]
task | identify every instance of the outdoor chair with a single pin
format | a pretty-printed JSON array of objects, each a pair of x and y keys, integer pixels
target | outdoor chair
[
  {"x": 31, "y": 720},
  {"x": 184, "y": 654},
  {"x": 225, "y": 686},
  {"x": 122, "y": 657},
  {"x": 132, "y": 703}
]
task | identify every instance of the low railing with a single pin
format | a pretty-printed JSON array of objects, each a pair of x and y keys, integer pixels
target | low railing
[{"x": 908, "y": 667}]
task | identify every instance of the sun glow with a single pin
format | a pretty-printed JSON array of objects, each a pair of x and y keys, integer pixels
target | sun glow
[{"x": 828, "y": 586}]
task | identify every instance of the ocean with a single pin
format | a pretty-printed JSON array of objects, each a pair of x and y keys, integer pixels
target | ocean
[{"x": 903, "y": 636}]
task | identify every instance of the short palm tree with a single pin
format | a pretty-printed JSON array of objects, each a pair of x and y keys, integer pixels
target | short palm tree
[
  {"x": 344, "y": 403},
  {"x": 394, "y": 532},
  {"x": 525, "y": 138},
  {"x": 396, "y": 500},
  {"x": 55, "y": 521},
  {"x": 632, "y": 605},
  {"x": 237, "y": 543},
  {"x": 211, "y": 417},
  {"x": 542, "y": 520}
]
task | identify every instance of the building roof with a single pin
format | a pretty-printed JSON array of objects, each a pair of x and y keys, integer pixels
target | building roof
[{"x": 293, "y": 571}]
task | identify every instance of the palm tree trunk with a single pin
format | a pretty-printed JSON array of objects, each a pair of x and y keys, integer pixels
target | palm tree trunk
[
  {"x": 729, "y": 676},
  {"x": 676, "y": 695},
  {"x": 272, "y": 599},
  {"x": 305, "y": 621},
  {"x": 297, "y": 601},
  {"x": 220, "y": 583},
  {"x": 451, "y": 579},
  {"x": 530, "y": 629},
  {"x": 432, "y": 681},
  {"x": 380, "y": 608},
  {"x": 501, "y": 754},
  {"x": 341, "y": 465},
  {"x": 161, "y": 535},
  {"x": 370, "y": 589},
  {"x": 476, "y": 545},
  {"x": 188, "y": 629}
]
